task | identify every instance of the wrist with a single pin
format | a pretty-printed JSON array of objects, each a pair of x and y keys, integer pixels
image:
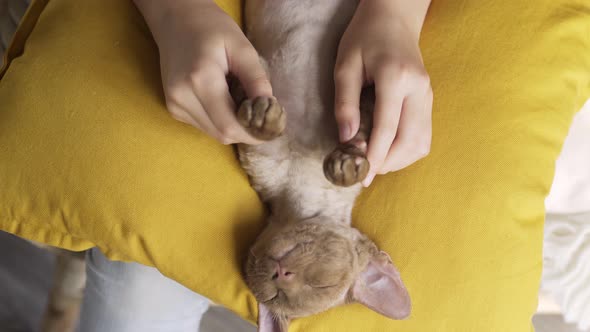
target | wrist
[{"x": 410, "y": 14}]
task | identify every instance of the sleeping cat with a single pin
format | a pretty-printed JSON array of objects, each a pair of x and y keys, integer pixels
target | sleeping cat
[{"x": 308, "y": 259}]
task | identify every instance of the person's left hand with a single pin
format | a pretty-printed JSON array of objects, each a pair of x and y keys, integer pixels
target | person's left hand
[{"x": 380, "y": 47}]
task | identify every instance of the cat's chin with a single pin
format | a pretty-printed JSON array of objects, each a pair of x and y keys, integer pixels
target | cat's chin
[{"x": 280, "y": 310}]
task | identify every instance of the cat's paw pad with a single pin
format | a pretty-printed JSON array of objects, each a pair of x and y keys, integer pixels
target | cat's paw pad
[
  {"x": 346, "y": 166},
  {"x": 262, "y": 117}
]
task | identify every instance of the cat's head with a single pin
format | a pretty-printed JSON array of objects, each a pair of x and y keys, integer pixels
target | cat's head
[{"x": 302, "y": 268}]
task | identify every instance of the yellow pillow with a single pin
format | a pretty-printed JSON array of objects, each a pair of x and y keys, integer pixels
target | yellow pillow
[{"x": 89, "y": 156}]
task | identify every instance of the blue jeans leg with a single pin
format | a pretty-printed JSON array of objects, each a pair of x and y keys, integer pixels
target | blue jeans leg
[{"x": 130, "y": 297}]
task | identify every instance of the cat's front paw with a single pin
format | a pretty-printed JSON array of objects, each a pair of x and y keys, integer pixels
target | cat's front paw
[
  {"x": 346, "y": 165},
  {"x": 262, "y": 117}
]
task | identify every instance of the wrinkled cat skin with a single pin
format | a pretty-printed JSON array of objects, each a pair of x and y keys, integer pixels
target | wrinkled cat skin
[{"x": 309, "y": 258}]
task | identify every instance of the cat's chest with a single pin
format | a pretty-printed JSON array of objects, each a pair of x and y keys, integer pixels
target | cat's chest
[
  {"x": 298, "y": 40},
  {"x": 310, "y": 193}
]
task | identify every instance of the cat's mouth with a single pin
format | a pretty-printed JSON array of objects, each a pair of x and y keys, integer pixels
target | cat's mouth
[
  {"x": 273, "y": 298},
  {"x": 324, "y": 286}
]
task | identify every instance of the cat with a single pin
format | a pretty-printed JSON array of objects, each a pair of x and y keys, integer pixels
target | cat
[{"x": 309, "y": 258}]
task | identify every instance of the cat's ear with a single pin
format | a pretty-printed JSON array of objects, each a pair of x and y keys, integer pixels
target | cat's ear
[
  {"x": 380, "y": 287},
  {"x": 267, "y": 322}
]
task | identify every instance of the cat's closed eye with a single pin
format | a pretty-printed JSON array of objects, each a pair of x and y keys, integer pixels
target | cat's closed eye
[{"x": 323, "y": 286}]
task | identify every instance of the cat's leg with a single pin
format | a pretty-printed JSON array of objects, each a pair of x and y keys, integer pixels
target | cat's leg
[
  {"x": 348, "y": 164},
  {"x": 263, "y": 117}
]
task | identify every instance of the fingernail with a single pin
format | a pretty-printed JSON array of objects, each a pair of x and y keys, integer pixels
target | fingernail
[
  {"x": 367, "y": 181},
  {"x": 345, "y": 132}
]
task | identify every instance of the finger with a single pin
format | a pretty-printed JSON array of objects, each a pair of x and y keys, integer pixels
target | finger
[
  {"x": 368, "y": 179},
  {"x": 414, "y": 135},
  {"x": 244, "y": 63},
  {"x": 213, "y": 93},
  {"x": 186, "y": 108},
  {"x": 348, "y": 79},
  {"x": 182, "y": 115},
  {"x": 388, "y": 103}
]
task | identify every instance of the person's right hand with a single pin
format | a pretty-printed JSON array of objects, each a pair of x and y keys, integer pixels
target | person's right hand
[{"x": 199, "y": 46}]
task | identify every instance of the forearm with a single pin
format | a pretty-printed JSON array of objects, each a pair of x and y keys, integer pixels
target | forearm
[
  {"x": 156, "y": 12},
  {"x": 151, "y": 9},
  {"x": 410, "y": 12}
]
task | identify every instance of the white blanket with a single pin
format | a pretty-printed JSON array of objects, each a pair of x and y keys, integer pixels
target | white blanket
[{"x": 566, "y": 270}]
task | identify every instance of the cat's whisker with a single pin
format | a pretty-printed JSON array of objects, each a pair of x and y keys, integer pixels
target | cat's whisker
[
  {"x": 252, "y": 253},
  {"x": 253, "y": 275}
]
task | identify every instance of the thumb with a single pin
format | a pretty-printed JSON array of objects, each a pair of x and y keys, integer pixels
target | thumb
[
  {"x": 348, "y": 81},
  {"x": 246, "y": 66}
]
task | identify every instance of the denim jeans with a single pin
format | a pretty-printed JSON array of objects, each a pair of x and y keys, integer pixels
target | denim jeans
[{"x": 130, "y": 297}]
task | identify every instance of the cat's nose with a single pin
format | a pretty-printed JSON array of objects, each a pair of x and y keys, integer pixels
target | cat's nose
[{"x": 282, "y": 274}]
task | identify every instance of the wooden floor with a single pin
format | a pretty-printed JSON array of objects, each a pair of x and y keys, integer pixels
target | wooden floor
[{"x": 25, "y": 277}]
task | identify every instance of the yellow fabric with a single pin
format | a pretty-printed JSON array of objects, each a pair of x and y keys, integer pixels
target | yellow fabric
[{"x": 89, "y": 156}]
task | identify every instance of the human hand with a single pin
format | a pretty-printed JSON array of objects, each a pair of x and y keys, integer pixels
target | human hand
[
  {"x": 380, "y": 47},
  {"x": 199, "y": 46}
]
